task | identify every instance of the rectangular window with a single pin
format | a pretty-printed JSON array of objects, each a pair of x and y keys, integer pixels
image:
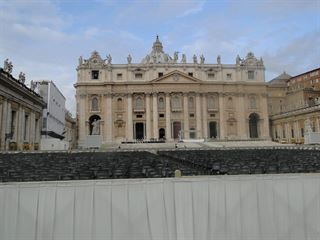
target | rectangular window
[
  {"x": 94, "y": 74},
  {"x": 161, "y": 115},
  {"x": 212, "y": 115},
  {"x": 190, "y": 74},
  {"x": 211, "y": 75},
  {"x": 139, "y": 116},
  {"x": 229, "y": 76},
  {"x": 119, "y": 76},
  {"x": 191, "y": 115},
  {"x": 250, "y": 75},
  {"x": 138, "y": 76},
  {"x": 160, "y": 74}
]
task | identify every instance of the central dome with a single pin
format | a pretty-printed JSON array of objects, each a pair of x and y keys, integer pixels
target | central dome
[{"x": 157, "y": 54}]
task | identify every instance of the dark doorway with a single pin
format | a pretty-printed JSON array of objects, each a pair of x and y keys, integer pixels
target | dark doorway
[
  {"x": 253, "y": 125},
  {"x": 176, "y": 130},
  {"x": 139, "y": 130},
  {"x": 162, "y": 133},
  {"x": 213, "y": 130}
]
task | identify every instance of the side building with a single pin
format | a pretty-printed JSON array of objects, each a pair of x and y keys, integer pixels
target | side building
[
  {"x": 53, "y": 124},
  {"x": 293, "y": 101},
  {"x": 20, "y": 112},
  {"x": 165, "y": 97}
]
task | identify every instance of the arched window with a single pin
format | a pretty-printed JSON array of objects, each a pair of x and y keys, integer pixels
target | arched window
[
  {"x": 161, "y": 103},
  {"x": 176, "y": 102},
  {"x": 94, "y": 104},
  {"x": 191, "y": 102},
  {"x": 211, "y": 102},
  {"x": 119, "y": 103},
  {"x": 139, "y": 103},
  {"x": 253, "y": 103}
]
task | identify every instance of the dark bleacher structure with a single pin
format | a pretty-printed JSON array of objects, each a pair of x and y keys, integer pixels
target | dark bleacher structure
[{"x": 21, "y": 167}]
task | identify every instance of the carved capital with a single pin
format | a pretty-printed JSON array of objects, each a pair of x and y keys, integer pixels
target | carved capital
[{"x": 83, "y": 96}]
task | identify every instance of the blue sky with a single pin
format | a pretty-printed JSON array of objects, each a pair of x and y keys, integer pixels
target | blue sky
[{"x": 44, "y": 38}]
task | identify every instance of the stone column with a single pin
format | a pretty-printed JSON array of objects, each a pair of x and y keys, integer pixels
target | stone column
[
  {"x": 186, "y": 134},
  {"x": 20, "y": 127},
  {"x": 107, "y": 117},
  {"x": 265, "y": 124},
  {"x": 155, "y": 115},
  {"x": 4, "y": 123},
  {"x": 198, "y": 116},
  {"x": 241, "y": 118},
  {"x": 129, "y": 118},
  {"x": 205, "y": 116},
  {"x": 148, "y": 117},
  {"x": 221, "y": 117},
  {"x": 168, "y": 117}
]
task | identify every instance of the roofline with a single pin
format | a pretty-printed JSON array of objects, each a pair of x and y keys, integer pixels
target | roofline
[{"x": 304, "y": 73}]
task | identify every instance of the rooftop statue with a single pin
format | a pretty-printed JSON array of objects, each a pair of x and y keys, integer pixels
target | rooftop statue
[
  {"x": 129, "y": 59},
  {"x": 22, "y": 77},
  {"x": 202, "y": 59},
  {"x": 109, "y": 59},
  {"x": 195, "y": 61},
  {"x": 166, "y": 58},
  {"x": 33, "y": 85},
  {"x": 219, "y": 59},
  {"x": 238, "y": 60},
  {"x": 184, "y": 58},
  {"x": 80, "y": 61},
  {"x": 175, "y": 57},
  {"x": 7, "y": 66}
]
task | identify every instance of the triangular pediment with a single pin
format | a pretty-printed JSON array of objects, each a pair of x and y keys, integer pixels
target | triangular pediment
[{"x": 176, "y": 77}]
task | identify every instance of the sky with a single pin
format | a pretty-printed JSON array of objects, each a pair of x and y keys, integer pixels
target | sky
[{"x": 44, "y": 38}]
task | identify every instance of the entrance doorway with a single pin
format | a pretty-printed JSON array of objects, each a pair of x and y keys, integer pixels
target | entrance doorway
[
  {"x": 253, "y": 125},
  {"x": 213, "y": 130},
  {"x": 139, "y": 129},
  {"x": 176, "y": 130},
  {"x": 162, "y": 133}
]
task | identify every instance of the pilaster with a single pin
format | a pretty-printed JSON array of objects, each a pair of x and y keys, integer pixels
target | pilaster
[
  {"x": 241, "y": 118},
  {"x": 129, "y": 118},
  {"x": 168, "y": 117},
  {"x": 155, "y": 115},
  {"x": 148, "y": 116},
  {"x": 4, "y": 123},
  {"x": 186, "y": 134},
  {"x": 204, "y": 116},
  {"x": 198, "y": 116},
  {"x": 221, "y": 117}
]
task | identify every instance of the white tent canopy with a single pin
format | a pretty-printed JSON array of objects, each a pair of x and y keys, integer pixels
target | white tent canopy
[{"x": 225, "y": 207}]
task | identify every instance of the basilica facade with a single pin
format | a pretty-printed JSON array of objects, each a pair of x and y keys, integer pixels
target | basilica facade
[{"x": 170, "y": 98}]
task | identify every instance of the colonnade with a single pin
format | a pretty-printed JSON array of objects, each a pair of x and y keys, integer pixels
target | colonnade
[{"x": 195, "y": 120}]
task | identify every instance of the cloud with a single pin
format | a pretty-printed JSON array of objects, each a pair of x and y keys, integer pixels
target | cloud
[
  {"x": 45, "y": 38},
  {"x": 298, "y": 56}
]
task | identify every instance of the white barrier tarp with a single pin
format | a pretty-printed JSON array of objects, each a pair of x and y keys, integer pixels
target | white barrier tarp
[{"x": 225, "y": 207}]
